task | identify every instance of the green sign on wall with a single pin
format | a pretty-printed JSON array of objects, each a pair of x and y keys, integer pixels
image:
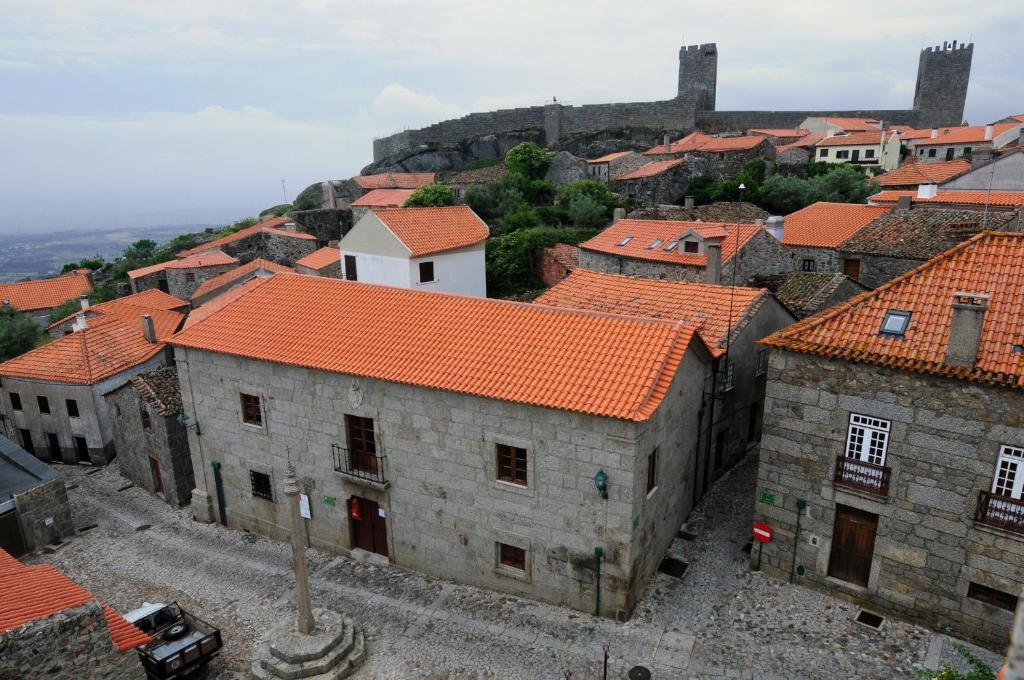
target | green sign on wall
[
  {"x": 328, "y": 500},
  {"x": 768, "y": 497}
]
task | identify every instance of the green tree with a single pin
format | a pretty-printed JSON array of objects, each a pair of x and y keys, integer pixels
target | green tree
[
  {"x": 595, "y": 190},
  {"x": 18, "y": 333},
  {"x": 781, "y": 195},
  {"x": 586, "y": 213},
  {"x": 701, "y": 188},
  {"x": 67, "y": 309},
  {"x": 522, "y": 218},
  {"x": 528, "y": 159},
  {"x": 140, "y": 250},
  {"x": 512, "y": 257},
  {"x": 94, "y": 264},
  {"x": 431, "y": 196}
]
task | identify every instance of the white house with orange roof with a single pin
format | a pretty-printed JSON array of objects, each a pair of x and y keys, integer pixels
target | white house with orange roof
[
  {"x": 965, "y": 142},
  {"x": 874, "y": 149},
  {"x": 438, "y": 249}
]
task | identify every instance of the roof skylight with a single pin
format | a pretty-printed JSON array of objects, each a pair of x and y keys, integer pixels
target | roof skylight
[{"x": 895, "y": 322}]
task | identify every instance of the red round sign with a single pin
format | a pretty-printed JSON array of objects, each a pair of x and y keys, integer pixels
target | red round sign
[{"x": 762, "y": 532}]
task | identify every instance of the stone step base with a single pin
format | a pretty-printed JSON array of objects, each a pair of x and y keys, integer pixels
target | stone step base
[{"x": 335, "y": 650}]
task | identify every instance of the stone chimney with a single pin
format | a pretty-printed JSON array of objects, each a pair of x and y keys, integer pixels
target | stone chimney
[
  {"x": 965, "y": 328},
  {"x": 688, "y": 202},
  {"x": 289, "y": 226},
  {"x": 904, "y": 202},
  {"x": 84, "y": 299},
  {"x": 927, "y": 190},
  {"x": 148, "y": 330},
  {"x": 713, "y": 251},
  {"x": 935, "y": 133},
  {"x": 80, "y": 323},
  {"x": 668, "y": 142},
  {"x": 775, "y": 226},
  {"x": 618, "y": 214},
  {"x": 988, "y": 133}
]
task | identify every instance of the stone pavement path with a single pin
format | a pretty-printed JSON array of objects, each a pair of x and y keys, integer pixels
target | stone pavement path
[{"x": 720, "y": 620}]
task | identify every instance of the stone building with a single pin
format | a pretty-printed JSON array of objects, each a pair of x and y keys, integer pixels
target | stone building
[
  {"x": 379, "y": 198},
  {"x": 523, "y": 449},
  {"x": 323, "y": 262},
  {"x": 212, "y": 288},
  {"x": 38, "y": 298},
  {"x": 797, "y": 152},
  {"x": 660, "y": 182},
  {"x": 913, "y": 174},
  {"x": 730, "y": 319},
  {"x": 557, "y": 262},
  {"x": 463, "y": 180},
  {"x": 682, "y": 251},
  {"x": 565, "y": 168},
  {"x": 892, "y": 461},
  {"x": 807, "y": 293},
  {"x": 723, "y": 157},
  {"x": 186, "y": 275},
  {"x": 278, "y": 239},
  {"x": 814, "y": 234},
  {"x": 614, "y": 165},
  {"x": 440, "y": 249},
  {"x": 52, "y": 627},
  {"x": 150, "y": 437},
  {"x": 52, "y": 396},
  {"x": 34, "y": 509}
]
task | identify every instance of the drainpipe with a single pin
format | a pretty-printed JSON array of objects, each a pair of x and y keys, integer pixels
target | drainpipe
[
  {"x": 598, "y": 552},
  {"x": 800, "y": 505},
  {"x": 219, "y": 483}
]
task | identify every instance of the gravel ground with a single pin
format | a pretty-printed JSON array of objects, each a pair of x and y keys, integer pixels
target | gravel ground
[{"x": 719, "y": 620}]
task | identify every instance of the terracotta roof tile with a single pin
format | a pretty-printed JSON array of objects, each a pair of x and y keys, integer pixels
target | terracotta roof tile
[
  {"x": 779, "y": 132},
  {"x": 853, "y": 124},
  {"x": 699, "y": 304},
  {"x": 566, "y": 255},
  {"x": 973, "y": 198},
  {"x": 211, "y": 258},
  {"x": 290, "y": 234},
  {"x": 146, "y": 271},
  {"x": 238, "y": 273},
  {"x": 221, "y": 301},
  {"x": 319, "y": 259},
  {"x": 991, "y": 263},
  {"x": 826, "y": 225},
  {"x": 153, "y": 298},
  {"x": 395, "y": 180},
  {"x": 651, "y": 169},
  {"x": 923, "y": 173},
  {"x": 645, "y": 232},
  {"x": 968, "y": 134},
  {"x": 609, "y": 157},
  {"x": 612, "y": 366},
  {"x": 698, "y": 141},
  {"x": 855, "y": 139},
  {"x": 802, "y": 143},
  {"x": 425, "y": 231},
  {"x": 28, "y": 296},
  {"x": 383, "y": 198},
  {"x": 232, "y": 238}
]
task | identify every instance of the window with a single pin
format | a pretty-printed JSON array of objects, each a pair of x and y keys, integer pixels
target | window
[
  {"x": 843, "y": 153},
  {"x": 762, "y": 362},
  {"x": 691, "y": 247},
  {"x": 809, "y": 265},
  {"x": 512, "y": 557},
  {"x": 920, "y": 152},
  {"x": 949, "y": 153},
  {"x": 251, "y": 413},
  {"x": 190, "y": 277},
  {"x": 350, "y": 268},
  {"x": 655, "y": 244},
  {"x": 1008, "y": 480},
  {"x": 895, "y": 323},
  {"x": 869, "y": 153},
  {"x": 726, "y": 378},
  {"x": 625, "y": 241},
  {"x": 72, "y": 406},
  {"x": 44, "y": 404},
  {"x": 991, "y": 596},
  {"x": 671, "y": 245},
  {"x": 26, "y": 441},
  {"x": 932, "y": 152},
  {"x": 426, "y": 272},
  {"x": 822, "y": 153},
  {"x": 15, "y": 401},
  {"x": 867, "y": 439},
  {"x": 147, "y": 422},
  {"x": 261, "y": 486},
  {"x": 511, "y": 464},
  {"x": 362, "y": 443},
  {"x": 652, "y": 470}
]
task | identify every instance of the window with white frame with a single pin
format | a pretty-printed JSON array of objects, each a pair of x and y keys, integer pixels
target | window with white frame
[
  {"x": 868, "y": 439},
  {"x": 1009, "y": 478}
]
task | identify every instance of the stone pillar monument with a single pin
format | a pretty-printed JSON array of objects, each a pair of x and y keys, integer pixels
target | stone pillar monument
[{"x": 305, "y": 622}]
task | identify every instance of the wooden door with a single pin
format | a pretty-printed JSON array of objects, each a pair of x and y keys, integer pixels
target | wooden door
[
  {"x": 852, "y": 269},
  {"x": 368, "y": 528},
  {"x": 154, "y": 468},
  {"x": 853, "y": 545},
  {"x": 351, "y": 273}
]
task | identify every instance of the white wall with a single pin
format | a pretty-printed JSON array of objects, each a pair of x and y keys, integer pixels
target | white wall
[
  {"x": 456, "y": 271},
  {"x": 381, "y": 269}
]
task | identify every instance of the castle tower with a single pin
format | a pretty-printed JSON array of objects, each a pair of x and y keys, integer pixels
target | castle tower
[
  {"x": 698, "y": 75},
  {"x": 942, "y": 78}
]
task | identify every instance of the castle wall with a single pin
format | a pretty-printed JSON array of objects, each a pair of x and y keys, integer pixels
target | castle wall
[{"x": 941, "y": 89}]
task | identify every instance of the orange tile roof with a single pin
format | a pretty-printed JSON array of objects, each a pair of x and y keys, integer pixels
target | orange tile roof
[
  {"x": 319, "y": 259},
  {"x": 611, "y": 366},
  {"x": 112, "y": 343},
  {"x": 211, "y": 258},
  {"x": 991, "y": 263},
  {"x": 698, "y": 141},
  {"x": 827, "y": 225},
  {"x": 779, "y": 132},
  {"x": 31, "y": 593},
  {"x": 651, "y": 169},
  {"x": 802, "y": 143},
  {"x": 383, "y": 198},
  {"x": 566, "y": 255},
  {"x": 923, "y": 133},
  {"x": 966, "y": 135},
  {"x": 425, "y": 231},
  {"x": 395, "y": 180},
  {"x": 979, "y": 198},
  {"x": 856, "y": 139},
  {"x": 233, "y": 275},
  {"x": 220, "y": 302},
  {"x": 854, "y": 124},
  {"x": 237, "y": 236},
  {"x": 646, "y": 232},
  {"x": 29, "y": 296},
  {"x": 700, "y": 304},
  {"x": 152, "y": 298},
  {"x": 923, "y": 173},
  {"x": 8, "y": 563},
  {"x": 291, "y": 234},
  {"x": 609, "y": 157},
  {"x": 146, "y": 271}
]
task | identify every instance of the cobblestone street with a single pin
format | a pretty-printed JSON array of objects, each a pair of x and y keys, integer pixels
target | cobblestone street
[{"x": 719, "y": 620}]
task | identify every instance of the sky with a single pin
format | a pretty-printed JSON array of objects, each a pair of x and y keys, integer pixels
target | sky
[{"x": 118, "y": 113}]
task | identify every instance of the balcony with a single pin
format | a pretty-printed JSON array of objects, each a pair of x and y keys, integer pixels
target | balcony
[
  {"x": 1002, "y": 512},
  {"x": 360, "y": 466},
  {"x": 862, "y": 476}
]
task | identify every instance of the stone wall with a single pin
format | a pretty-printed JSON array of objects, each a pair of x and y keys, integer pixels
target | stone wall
[
  {"x": 286, "y": 249},
  {"x": 762, "y": 255},
  {"x": 444, "y": 510},
  {"x": 45, "y": 514},
  {"x": 648, "y": 269},
  {"x": 794, "y": 156},
  {"x": 668, "y": 187},
  {"x": 70, "y": 645},
  {"x": 826, "y": 260},
  {"x": 731, "y": 121},
  {"x": 328, "y": 224},
  {"x": 876, "y": 270},
  {"x": 944, "y": 441},
  {"x": 181, "y": 287},
  {"x": 149, "y": 281}
]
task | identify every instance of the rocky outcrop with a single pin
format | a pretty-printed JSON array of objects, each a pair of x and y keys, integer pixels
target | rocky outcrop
[{"x": 438, "y": 157}]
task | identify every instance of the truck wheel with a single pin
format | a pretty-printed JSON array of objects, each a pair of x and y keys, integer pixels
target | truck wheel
[{"x": 176, "y": 631}]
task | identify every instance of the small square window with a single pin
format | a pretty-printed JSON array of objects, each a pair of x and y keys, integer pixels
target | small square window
[
  {"x": 261, "y": 486},
  {"x": 190, "y": 277},
  {"x": 15, "y": 401},
  {"x": 511, "y": 464},
  {"x": 869, "y": 153},
  {"x": 426, "y": 272},
  {"x": 652, "y": 470},
  {"x": 895, "y": 323},
  {"x": 809, "y": 265},
  {"x": 44, "y": 404},
  {"x": 991, "y": 596},
  {"x": 72, "y": 406},
  {"x": 822, "y": 153},
  {"x": 512, "y": 557},
  {"x": 932, "y": 152},
  {"x": 844, "y": 153},
  {"x": 691, "y": 247},
  {"x": 147, "y": 422},
  {"x": 251, "y": 413}
]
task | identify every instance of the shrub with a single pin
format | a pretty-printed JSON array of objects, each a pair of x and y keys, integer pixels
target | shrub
[
  {"x": 586, "y": 213},
  {"x": 522, "y": 218},
  {"x": 512, "y": 257},
  {"x": 67, "y": 309},
  {"x": 18, "y": 333},
  {"x": 431, "y": 196},
  {"x": 528, "y": 159}
]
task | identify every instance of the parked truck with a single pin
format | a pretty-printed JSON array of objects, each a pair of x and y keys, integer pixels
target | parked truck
[{"x": 182, "y": 643}]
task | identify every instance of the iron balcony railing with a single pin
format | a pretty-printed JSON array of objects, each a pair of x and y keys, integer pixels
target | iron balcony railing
[
  {"x": 363, "y": 465},
  {"x": 862, "y": 476},
  {"x": 1000, "y": 511}
]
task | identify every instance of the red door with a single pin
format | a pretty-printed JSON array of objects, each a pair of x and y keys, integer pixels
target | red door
[
  {"x": 368, "y": 528},
  {"x": 853, "y": 545}
]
